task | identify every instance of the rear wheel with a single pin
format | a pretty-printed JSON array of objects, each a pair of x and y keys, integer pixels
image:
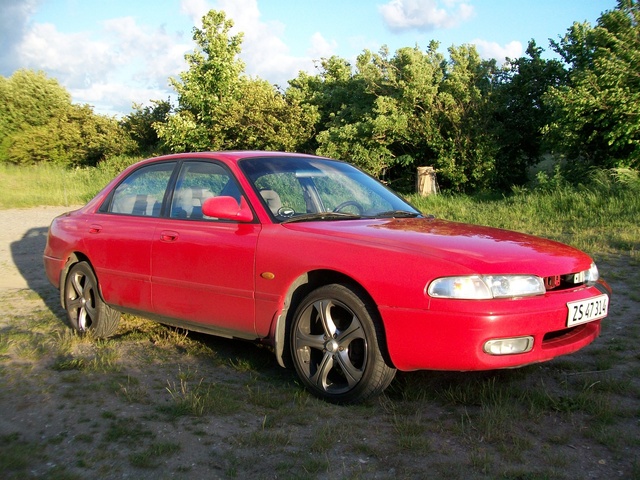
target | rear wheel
[
  {"x": 335, "y": 345},
  {"x": 87, "y": 312}
]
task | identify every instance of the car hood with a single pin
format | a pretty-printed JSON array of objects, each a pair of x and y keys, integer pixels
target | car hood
[{"x": 480, "y": 249}]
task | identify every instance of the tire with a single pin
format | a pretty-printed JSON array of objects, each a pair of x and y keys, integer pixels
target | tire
[
  {"x": 86, "y": 310},
  {"x": 335, "y": 341}
]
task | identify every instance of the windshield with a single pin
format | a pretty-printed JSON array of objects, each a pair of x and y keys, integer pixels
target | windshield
[{"x": 304, "y": 189}]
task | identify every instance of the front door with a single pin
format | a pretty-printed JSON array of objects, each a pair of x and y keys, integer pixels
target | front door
[{"x": 203, "y": 268}]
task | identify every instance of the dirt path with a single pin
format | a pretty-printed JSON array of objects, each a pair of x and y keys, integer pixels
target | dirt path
[{"x": 22, "y": 240}]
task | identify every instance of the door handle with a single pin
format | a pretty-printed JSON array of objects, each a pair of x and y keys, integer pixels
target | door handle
[
  {"x": 168, "y": 236},
  {"x": 95, "y": 228}
]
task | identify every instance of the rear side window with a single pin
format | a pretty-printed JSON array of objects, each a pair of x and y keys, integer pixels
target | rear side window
[{"x": 141, "y": 193}]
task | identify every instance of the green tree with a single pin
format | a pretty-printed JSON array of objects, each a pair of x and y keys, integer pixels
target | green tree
[
  {"x": 28, "y": 99},
  {"x": 357, "y": 119},
  {"x": 411, "y": 109},
  {"x": 38, "y": 123},
  {"x": 465, "y": 146},
  {"x": 75, "y": 137},
  {"x": 221, "y": 108},
  {"x": 139, "y": 124},
  {"x": 520, "y": 114},
  {"x": 596, "y": 116}
]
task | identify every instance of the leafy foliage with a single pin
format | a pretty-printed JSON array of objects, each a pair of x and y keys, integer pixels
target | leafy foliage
[
  {"x": 520, "y": 114},
  {"x": 411, "y": 109},
  {"x": 221, "y": 108},
  {"x": 596, "y": 115},
  {"x": 140, "y": 125},
  {"x": 482, "y": 126},
  {"x": 38, "y": 123}
]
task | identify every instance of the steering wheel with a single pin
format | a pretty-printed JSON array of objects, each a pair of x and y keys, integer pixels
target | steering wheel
[{"x": 350, "y": 203}]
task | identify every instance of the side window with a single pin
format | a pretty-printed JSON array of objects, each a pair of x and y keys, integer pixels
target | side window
[
  {"x": 141, "y": 193},
  {"x": 197, "y": 182}
]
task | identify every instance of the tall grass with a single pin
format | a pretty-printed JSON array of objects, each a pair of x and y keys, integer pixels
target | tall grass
[
  {"x": 49, "y": 184},
  {"x": 600, "y": 215}
]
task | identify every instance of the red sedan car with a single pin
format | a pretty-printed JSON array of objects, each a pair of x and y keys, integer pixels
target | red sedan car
[{"x": 346, "y": 280}]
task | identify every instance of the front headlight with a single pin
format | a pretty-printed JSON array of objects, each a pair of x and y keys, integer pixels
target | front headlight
[
  {"x": 592, "y": 275},
  {"x": 484, "y": 287}
]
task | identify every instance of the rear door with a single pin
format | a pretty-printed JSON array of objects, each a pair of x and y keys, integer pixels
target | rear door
[
  {"x": 119, "y": 240},
  {"x": 202, "y": 267}
]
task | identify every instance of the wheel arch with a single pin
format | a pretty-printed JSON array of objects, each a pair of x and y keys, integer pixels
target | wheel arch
[{"x": 298, "y": 290}]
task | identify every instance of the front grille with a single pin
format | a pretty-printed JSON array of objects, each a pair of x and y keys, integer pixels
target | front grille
[
  {"x": 557, "y": 334},
  {"x": 564, "y": 282}
]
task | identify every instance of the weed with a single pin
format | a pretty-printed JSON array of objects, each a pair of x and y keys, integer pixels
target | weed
[
  {"x": 153, "y": 455},
  {"x": 65, "y": 364},
  {"x": 108, "y": 415},
  {"x": 265, "y": 438},
  {"x": 132, "y": 391},
  {"x": 83, "y": 438},
  {"x": 127, "y": 431},
  {"x": 410, "y": 433},
  {"x": 481, "y": 460},
  {"x": 314, "y": 465},
  {"x": 17, "y": 454},
  {"x": 324, "y": 438},
  {"x": 198, "y": 400},
  {"x": 269, "y": 397},
  {"x": 605, "y": 435},
  {"x": 5, "y": 344}
]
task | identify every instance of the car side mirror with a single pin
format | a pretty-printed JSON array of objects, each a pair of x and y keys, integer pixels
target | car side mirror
[{"x": 227, "y": 208}]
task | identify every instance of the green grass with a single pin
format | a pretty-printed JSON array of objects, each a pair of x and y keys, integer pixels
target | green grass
[
  {"x": 47, "y": 184},
  {"x": 198, "y": 398},
  {"x": 492, "y": 417},
  {"x": 232, "y": 403},
  {"x": 600, "y": 217},
  {"x": 153, "y": 455}
]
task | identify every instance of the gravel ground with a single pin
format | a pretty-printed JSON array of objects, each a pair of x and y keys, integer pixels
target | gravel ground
[
  {"x": 70, "y": 424},
  {"x": 22, "y": 240}
]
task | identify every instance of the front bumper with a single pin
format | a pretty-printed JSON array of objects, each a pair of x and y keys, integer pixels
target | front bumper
[{"x": 451, "y": 334}]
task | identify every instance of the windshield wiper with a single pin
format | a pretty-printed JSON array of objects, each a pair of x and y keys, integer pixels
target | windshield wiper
[
  {"x": 396, "y": 214},
  {"x": 322, "y": 216}
]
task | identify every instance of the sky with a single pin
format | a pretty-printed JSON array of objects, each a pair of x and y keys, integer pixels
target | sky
[{"x": 112, "y": 54}]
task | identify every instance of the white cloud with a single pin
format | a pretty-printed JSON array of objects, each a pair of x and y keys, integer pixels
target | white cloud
[
  {"x": 129, "y": 63},
  {"x": 424, "y": 15},
  {"x": 13, "y": 25},
  {"x": 116, "y": 98},
  {"x": 321, "y": 47},
  {"x": 195, "y": 10},
  {"x": 264, "y": 51},
  {"x": 158, "y": 53},
  {"x": 71, "y": 58},
  {"x": 499, "y": 52}
]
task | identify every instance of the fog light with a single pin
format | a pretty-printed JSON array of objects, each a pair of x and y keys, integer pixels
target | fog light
[{"x": 508, "y": 346}]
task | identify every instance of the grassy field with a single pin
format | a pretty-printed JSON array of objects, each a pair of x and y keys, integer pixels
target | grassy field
[
  {"x": 156, "y": 402},
  {"x": 36, "y": 185},
  {"x": 600, "y": 217}
]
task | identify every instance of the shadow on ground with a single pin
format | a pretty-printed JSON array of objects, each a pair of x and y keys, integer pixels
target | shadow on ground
[{"x": 27, "y": 257}]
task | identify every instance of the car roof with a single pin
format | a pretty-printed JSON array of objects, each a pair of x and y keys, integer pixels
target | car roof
[{"x": 229, "y": 155}]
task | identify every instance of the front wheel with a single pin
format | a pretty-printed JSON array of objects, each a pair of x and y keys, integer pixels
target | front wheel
[
  {"x": 335, "y": 345},
  {"x": 85, "y": 307}
]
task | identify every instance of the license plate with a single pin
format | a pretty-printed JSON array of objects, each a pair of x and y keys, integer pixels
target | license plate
[{"x": 587, "y": 310}]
